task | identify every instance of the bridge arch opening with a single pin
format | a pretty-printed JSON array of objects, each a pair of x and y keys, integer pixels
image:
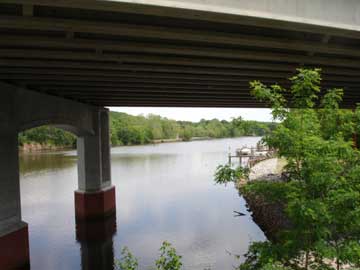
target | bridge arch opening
[
  {"x": 68, "y": 125},
  {"x": 47, "y": 137}
]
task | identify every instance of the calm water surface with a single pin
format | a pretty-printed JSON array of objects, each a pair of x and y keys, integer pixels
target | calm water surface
[{"x": 163, "y": 192}]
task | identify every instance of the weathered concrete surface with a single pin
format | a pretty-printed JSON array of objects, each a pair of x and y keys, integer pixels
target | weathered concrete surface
[
  {"x": 95, "y": 197},
  {"x": 21, "y": 109},
  {"x": 14, "y": 243},
  {"x": 10, "y": 208},
  {"x": 94, "y": 154},
  {"x": 330, "y": 13}
]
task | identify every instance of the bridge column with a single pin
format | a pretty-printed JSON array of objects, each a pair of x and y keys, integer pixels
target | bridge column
[
  {"x": 14, "y": 240},
  {"x": 95, "y": 197},
  {"x": 96, "y": 240}
]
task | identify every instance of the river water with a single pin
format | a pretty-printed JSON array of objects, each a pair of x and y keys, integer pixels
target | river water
[{"x": 163, "y": 192}]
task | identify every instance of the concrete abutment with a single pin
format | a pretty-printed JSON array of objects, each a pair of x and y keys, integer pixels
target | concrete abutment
[{"x": 95, "y": 198}]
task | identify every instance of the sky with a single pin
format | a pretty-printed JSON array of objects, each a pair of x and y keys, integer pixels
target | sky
[{"x": 196, "y": 114}]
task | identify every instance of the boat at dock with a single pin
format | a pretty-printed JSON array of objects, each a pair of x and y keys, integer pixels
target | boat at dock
[{"x": 249, "y": 156}]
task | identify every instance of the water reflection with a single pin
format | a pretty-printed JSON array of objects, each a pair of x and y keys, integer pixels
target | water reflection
[
  {"x": 96, "y": 243},
  {"x": 44, "y": 161},
  {"x": 163, "y": 192}
]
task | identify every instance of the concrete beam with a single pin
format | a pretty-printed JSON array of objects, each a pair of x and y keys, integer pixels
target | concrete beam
[
  {"x": 39, "y": 74},
  {"x": 103, "y": 74},
  {"x": 322, "y": 13},
  {"x": 236, "y": 61},
  {"x": 171, "y": 85},
  {"x": 174, "y": 39},
  {"x": 190, "y": 68},
  {"x": 37, "y": 79},
  {"x": 183, "y": 49},
  {"x": 331, "y": 16},
  {"x": 35, "y": 109},
  {"x": 147, "y": 68}
]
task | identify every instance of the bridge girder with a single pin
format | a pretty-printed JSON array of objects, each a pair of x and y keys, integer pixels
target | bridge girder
[{"x": 174, "y": 53}]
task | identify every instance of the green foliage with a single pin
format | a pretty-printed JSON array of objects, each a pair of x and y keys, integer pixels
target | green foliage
[
  {"x": 274, "y": 266},
  {"x": 225, "y": 174},
  {"x": 270, "y": 191},
  {"x": 127, "y": 129},
  {"x": 222, "y": 129},
  {"x": 272, "y": 95},
  {"x": 127, "y": 261},
  {"x": 187, "y": 134},
  {"x": 168, "y": 260},
  {"x": 259, "y": 256},
  {"x": 322, "y": 195},
  {"x": 47, "y": 135}
]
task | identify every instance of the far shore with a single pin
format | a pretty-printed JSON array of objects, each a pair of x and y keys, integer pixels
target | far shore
[
  {"x": 31, "y": 148},
  {"x": 37, "y": 147}
]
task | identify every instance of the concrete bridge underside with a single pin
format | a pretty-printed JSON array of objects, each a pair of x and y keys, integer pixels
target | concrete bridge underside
[
  {"x": 176, "y": 53},
  {"x": 62, "y": 61}
]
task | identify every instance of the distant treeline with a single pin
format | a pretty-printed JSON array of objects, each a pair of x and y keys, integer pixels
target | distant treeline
[
  {"x": 131, "y": 130},
  {"x": 49, "y": 136}
]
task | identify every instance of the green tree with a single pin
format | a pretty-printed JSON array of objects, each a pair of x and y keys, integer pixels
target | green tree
[
  {"x": 168, "y": 259},
  {"x": 127, "y": 261},
  {"x": 47, "y": 135},
  {"x": 225, "y": 174},
  {"x": 322, "y": 195}
]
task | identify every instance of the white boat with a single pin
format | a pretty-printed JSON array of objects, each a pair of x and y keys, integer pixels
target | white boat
[{"x": 245, "y": 151}]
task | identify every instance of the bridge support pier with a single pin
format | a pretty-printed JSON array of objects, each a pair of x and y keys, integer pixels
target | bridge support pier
[
  {"x": 21, "y": 109},
  {"x": 95, "y": 197},
  {"x": 96, "y": 240},
  {"x": 14, "y": 239}
]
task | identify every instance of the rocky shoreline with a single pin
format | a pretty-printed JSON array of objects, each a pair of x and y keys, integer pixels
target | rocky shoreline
[{"x": 269, "y": 216}]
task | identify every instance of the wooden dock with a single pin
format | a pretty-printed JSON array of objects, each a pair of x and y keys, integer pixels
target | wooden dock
[{"x": 249, "y": 160}]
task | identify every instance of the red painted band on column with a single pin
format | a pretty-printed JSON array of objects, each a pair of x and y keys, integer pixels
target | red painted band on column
[
  {"x": 14, "y": 249},
  {"x": 98, "y": 230},
  {"x": 92, "y": 205}
]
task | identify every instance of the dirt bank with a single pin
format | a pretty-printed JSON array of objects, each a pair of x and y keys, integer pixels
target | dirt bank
[{"x": 37, "y": 147}]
